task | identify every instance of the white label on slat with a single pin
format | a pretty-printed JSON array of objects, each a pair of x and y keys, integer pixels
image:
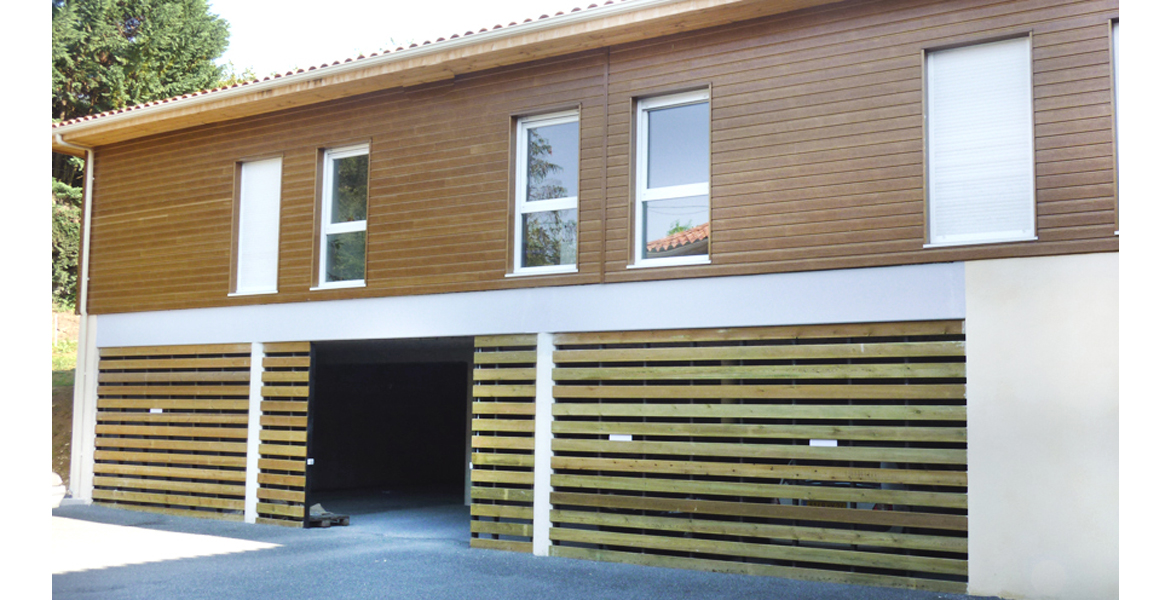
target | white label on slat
[
  {"x": 156, "y": 411},
  {"x": 825, "y": 443},
  {"x": 621, "y": 437},
  {"x": 309, "y": 461}
]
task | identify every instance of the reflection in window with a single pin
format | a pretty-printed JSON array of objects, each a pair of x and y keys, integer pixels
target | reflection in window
[
  {"x": 547, "y": 180},
  {"x": 673, "y": 179}
]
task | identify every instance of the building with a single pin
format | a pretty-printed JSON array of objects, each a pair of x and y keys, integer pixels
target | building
[{"x": 812, "y": 289}]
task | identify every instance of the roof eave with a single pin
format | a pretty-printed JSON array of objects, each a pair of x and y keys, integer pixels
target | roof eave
[{"x": 566, "y": 34}]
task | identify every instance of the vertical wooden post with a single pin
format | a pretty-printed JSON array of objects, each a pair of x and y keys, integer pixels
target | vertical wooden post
[
  {"x": 542, "y": 452},
  {"x": 252, "y": 465}
]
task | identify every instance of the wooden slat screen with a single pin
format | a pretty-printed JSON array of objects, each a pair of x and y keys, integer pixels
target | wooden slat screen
[
  {"x": 172, "y": 428},
  {"x": 284, "y": 423},
  {"x": 502, "y": 440},
  {"x": 714, "y": 450}
]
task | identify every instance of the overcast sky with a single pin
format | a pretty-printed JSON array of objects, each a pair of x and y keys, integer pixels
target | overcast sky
[{"x": 278, "y": 37}]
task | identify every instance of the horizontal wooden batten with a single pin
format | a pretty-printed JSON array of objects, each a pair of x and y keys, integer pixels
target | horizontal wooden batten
[
  {"x": 845, "y": 371},
  {"x": 916, "y": 391},
  {"x": 956, "y": 435},
  {"x": 764, "y": 450},
  {"x": 775, "y": 491},
  {"x": 778, "y": 352},
  {"x": 772, "y": 411}
]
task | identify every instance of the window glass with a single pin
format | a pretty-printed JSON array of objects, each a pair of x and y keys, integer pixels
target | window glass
[
  {"x": 345, "y": 256},
  {"x": 552, "y": 162},
  {"x": 550, "y": 238},
  {"x": 546, "y": 193},
  {"x": 678, "y": 146},
  {"x": 350, "y": 177}
]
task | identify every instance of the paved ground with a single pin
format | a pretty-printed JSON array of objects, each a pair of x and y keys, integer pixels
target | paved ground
[{"x": 414, "y": 550}]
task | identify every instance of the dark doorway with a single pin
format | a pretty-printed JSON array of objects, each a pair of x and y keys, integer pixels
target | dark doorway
[{"x": 389, "y": 424}]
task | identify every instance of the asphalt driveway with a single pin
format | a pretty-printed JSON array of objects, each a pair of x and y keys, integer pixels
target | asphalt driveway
[{"x": 416, "y": 550}]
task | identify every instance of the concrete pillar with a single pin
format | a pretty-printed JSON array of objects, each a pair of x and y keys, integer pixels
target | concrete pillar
[{"x": 542, "y": 453}]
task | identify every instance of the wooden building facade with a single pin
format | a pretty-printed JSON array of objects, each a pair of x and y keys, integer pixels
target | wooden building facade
[{"x": 742, "y": 285}]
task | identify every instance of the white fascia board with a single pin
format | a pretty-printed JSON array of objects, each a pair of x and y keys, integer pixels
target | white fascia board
[{"x": 901, "y": 293}]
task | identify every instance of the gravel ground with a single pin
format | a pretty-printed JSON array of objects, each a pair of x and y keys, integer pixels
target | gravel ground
[{"x": 415, "y": 549}]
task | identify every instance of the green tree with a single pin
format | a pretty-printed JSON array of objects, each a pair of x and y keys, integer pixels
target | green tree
[
  {"x": 110, "y": 54},
  {"x": 66, "y": 243}
]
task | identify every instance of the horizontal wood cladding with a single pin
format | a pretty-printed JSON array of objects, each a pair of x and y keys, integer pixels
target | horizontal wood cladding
[
  {"x": 502, "y": 442},
  {"x": 816, "y": 159},
  {"x": 172, "y": 427},
  {"x": 831, "y": 453}
]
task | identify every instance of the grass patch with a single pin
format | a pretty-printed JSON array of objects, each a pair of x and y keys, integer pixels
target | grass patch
[{"x": 64, "y": 362}]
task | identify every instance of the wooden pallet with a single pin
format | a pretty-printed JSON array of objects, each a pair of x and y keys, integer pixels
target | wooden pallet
[{"x": 328, "y": 520}]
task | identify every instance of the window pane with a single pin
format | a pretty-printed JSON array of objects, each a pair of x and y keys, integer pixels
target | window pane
[
  {"x": 345, "y": 256},
  {"x": 550, "y": 238},
  {"x": 678, "y": 146},
  {"x": 552, "y": 162},
  {"x": 675, "y": 227},
  {"x": 350, "y": 177}
]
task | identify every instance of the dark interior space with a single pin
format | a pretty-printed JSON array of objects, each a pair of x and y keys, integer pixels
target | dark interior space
[{"x": 389, "y": 420}]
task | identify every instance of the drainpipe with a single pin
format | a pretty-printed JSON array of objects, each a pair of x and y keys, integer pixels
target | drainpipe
[{"x": 85, "y": 380}]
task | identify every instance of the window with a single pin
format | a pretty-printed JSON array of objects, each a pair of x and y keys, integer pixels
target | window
[
  {"x": 980, "y": 166},
  {"x": 343, "y": 217},
  {"x": 546, "y": 194},
  {"x": 673, "y": 166},
  {"x": 258, "y": 227}
]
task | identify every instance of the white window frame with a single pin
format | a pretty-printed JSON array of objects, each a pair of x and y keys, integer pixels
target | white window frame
[
  {"x": 523, "y": 207},
  {"x": 644, "y": 194},
  {"x": 329, "y": 228},
  {"x": 1015, "y": 229},
  {"x": 257, "y": 229}
]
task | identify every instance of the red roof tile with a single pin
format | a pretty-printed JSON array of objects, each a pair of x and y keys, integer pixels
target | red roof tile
[
  {"x": 324, "y": 65},
  {"x": 680, "y": 239}
]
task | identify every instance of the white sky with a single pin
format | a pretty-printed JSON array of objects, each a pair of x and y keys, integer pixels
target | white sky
[{"x": 279, "y": 37}]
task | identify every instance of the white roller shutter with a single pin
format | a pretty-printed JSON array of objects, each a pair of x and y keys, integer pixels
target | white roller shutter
[{"x": 980, "y": 166}]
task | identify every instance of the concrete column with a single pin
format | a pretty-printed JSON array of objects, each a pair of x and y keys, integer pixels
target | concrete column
[
  {"x": 84, "y": 413},
  {"x": 542, "y": 453},
  {"x": 252, "y": 468}
]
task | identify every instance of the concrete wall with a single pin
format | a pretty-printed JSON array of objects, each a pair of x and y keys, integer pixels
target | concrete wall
[{"x": 1042, "y": 351}]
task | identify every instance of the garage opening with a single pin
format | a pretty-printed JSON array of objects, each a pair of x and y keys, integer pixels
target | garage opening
[{"x": 388, "y": 432}]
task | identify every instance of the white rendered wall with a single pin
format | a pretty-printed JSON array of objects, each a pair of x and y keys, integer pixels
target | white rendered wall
[
  {"x": 906, "y": 293},
  {"x": 1042, "y": 396}
]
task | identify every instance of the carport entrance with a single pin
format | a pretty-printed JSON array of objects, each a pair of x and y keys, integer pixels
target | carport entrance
[{"x": 388, "y": 427}]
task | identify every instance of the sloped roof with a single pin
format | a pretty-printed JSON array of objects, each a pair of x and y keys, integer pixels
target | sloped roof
[{"x": 595, "y": 26}]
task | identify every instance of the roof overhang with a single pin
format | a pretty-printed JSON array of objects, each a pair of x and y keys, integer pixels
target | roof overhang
[{"x": 578, "y": 31}]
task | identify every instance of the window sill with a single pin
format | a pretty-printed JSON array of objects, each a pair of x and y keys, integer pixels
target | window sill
[
  {"x": 339, "y": 285},
  {"x": 1031, "y": 238},
  {"x": 671, "y": 262},
  {"x": 533, "y": 272},
  {"x": 240, "y": 294}
]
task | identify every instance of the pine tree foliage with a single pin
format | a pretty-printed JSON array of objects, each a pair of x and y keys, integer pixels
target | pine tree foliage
[{"x": 110, "y": 54}]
